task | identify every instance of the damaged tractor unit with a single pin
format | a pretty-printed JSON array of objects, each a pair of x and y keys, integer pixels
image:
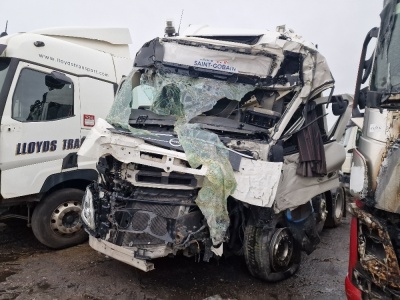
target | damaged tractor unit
[
  {"x": 218, "y": 142},
  {"x": 374, "y": 269}
]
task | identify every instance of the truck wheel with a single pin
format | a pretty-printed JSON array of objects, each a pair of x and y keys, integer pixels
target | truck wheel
[
  {"x": 271, "y": 254},
  {"x": 56, "y": 219},
  {"x": 319, "y": 204},
  {"x": 335, "y": 206}
]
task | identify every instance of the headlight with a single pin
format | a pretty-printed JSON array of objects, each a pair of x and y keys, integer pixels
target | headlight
[{"x": 87, "y": 214}]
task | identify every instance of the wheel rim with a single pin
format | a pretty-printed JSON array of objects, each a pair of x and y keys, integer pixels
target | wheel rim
[
  {"x": 339, "y": 204},
  {"x": 281, "y": 249},
  {"x": 65, "y": 219}
]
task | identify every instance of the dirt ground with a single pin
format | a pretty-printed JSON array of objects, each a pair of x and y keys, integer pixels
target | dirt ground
[{"x": 29, "y": 270}]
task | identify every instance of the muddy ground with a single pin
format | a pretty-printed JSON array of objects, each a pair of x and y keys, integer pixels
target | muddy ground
[{"x": 28, "y": 270}]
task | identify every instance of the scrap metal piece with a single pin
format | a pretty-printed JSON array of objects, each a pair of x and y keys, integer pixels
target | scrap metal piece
[{"x": 384, "y": 268}]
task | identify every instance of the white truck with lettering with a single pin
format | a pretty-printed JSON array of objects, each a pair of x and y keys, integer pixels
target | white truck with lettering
[{"x": 54, "y": 84}]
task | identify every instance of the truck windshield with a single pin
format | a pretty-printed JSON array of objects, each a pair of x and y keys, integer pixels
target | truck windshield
[{"x": 386, "y": 76}]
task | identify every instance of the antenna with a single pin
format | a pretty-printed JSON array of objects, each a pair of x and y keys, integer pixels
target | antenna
[
  {"x": 4, "y": 33},
  {"x": 180, "y": 21}
]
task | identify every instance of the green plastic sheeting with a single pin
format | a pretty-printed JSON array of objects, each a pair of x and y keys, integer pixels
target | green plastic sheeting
[{"x": 187, "y": 97}]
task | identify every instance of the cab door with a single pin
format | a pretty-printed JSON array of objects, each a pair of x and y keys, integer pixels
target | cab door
[{"x": 39, "y": 127}]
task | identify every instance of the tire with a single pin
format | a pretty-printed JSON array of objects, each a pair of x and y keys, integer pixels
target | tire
[
  {"x": 271, "y": 254},
  {"x": 56, "y": 219},
  {"x": 319, "y": 204},
  {"x": 335, "y": 206}
]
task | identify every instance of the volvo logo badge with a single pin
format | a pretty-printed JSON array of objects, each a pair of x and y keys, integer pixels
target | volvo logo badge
[{"x": 174, "y": 142}]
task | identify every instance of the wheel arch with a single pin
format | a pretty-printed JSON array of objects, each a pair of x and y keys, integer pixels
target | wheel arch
[{"x": 78, "y": 179}]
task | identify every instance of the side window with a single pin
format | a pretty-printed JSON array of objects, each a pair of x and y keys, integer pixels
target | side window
[{"x": 42, "y": 97}]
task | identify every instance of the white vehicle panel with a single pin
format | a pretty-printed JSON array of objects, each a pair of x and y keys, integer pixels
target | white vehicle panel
[
  {"x": 27, "y": 180},
  {"x": 26, "y": 143}
]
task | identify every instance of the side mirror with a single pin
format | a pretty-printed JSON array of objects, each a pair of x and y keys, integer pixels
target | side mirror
[
  {"x": 362, "y": 98},
  {"x": 338, "y": 105}
]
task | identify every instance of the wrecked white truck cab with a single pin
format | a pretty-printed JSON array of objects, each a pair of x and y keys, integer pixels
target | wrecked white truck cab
[{"x": 218, "y": 143}]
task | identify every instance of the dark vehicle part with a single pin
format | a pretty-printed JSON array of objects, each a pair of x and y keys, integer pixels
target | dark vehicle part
[
  {"x": 364, "y": 70},
  {"x": 335, "y": 204},
  {"x": 56, "y": 220},
  {"x": 319, "y": 204},
  {"x": 271, "y": 253},
  {"x": 378, "y": 241}
]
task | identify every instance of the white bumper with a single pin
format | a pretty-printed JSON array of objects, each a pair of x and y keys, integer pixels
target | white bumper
[{"x": 120, "y": 253}]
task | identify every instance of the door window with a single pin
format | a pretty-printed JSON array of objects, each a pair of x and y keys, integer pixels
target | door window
[{"x": 41, "y": 97}]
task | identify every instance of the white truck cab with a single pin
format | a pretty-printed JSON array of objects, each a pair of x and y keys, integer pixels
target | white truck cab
[
  {"x": 54, "y": 85},
  {"x": 217, "y": 142}
]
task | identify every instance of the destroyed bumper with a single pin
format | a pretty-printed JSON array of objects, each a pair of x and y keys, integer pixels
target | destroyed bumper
[{"x": 120, "y": 253}]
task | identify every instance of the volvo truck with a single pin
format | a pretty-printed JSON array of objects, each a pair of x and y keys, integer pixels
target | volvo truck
[{"x": 217, "y": 142}]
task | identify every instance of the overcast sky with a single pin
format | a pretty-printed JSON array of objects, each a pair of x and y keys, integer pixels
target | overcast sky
[{"x": 337, "y": 26}]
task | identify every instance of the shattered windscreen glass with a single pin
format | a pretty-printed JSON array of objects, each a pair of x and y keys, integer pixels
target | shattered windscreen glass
[
  {"x": 186, "y": 98},
  {"x": 387, "y": 64}
]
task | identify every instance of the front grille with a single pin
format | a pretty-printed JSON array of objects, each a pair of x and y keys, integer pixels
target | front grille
[
  {"x": 158, "y": 226},
  {"x": 166, "y": 211},
  {"x": 129, "y": 239},
  {"x": 140, "y": 221}
]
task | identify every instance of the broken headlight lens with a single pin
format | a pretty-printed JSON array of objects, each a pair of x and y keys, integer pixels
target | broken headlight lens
[{"x": 87, "y": 214}]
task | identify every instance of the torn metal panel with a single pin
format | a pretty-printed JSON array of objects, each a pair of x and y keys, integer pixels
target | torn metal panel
[
  {"x": 294, "y": 190},
  {"x": 257, "y": 182},
  {"x": 387, "y": 194},
  {"x": 121, "y": 254},
  {"x": 382, "y": 266}
]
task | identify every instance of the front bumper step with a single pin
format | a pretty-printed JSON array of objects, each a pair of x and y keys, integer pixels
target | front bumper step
[{"x": 120, "y": 253}]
